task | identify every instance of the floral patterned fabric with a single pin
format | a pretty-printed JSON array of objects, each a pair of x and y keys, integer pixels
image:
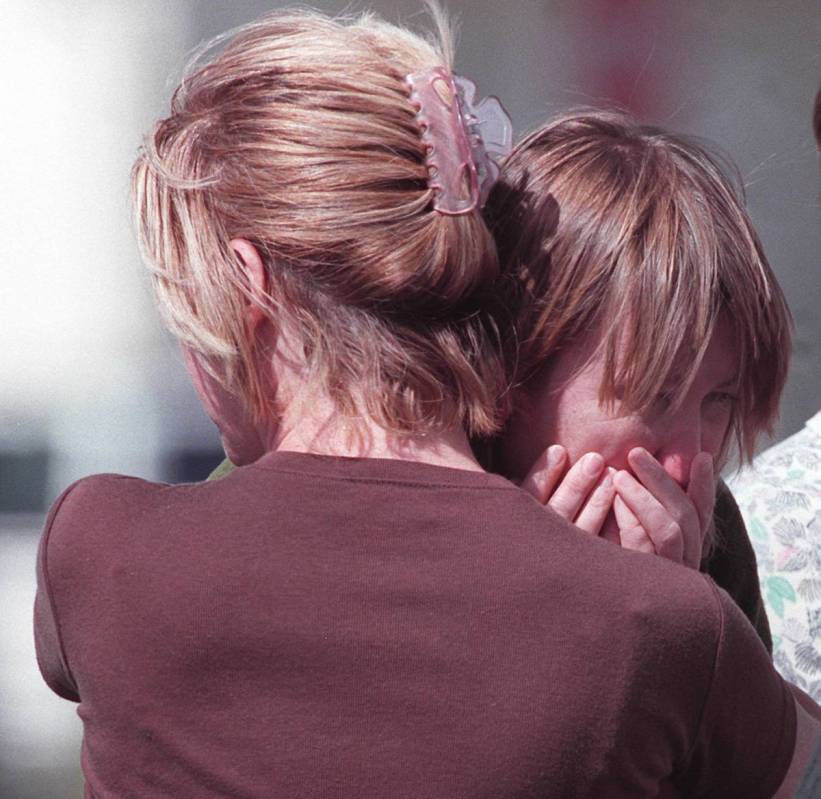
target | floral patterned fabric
[{"x": 780, "y": 499}]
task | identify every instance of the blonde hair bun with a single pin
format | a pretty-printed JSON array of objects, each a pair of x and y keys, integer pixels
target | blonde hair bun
[{"x": 300, "y": 137}]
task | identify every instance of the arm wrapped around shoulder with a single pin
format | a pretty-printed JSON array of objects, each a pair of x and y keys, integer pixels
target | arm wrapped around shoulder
[{"x": 746, "y": 737}]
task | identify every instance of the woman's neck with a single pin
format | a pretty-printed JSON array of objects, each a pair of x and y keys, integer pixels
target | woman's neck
[{"x": 322, "y": 430}]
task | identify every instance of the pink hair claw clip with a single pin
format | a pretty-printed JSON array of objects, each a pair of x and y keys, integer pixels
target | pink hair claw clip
[{"x": 465, "y": 141}]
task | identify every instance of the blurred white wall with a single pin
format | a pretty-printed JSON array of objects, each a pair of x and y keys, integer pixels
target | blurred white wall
[
  {"x": 39, "y": 733},
  {"x": 79, "y": 342},
  {"x": 81, "y": 350}
]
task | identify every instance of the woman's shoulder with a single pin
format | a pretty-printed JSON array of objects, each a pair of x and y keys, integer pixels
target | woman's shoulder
[
  {"x": 100, "y": 494},
  {"x": 103, "y": 507},
  {"x": 108, "y": 492},
  {"x": 649, "y": 592}
]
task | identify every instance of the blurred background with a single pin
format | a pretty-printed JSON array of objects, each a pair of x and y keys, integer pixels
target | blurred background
[{"x": 93, "y": 384}]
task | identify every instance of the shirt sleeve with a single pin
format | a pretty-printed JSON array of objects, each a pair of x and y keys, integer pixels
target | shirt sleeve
[
  {"x": 733, "y": 566},
  {"x": 226, "y": 467},
  {"x": 746, "y": 736},
  {"x": 48, "y": 643}
]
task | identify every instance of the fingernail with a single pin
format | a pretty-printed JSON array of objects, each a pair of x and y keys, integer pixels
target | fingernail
[
  {"x": 607, "y": 483},
  {"x": 555, "y": 454},
  {"x": 592, "y": 463},
  {"x": 620, "y": 476}
]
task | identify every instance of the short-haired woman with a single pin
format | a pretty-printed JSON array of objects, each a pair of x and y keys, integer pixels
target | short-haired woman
[
  {"x": 651, "y": 331},
  {"x": 651, "y": 340}
]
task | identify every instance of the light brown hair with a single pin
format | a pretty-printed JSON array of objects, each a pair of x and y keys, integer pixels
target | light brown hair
[
  {"x": 300, "y": 137},
  {"x": 640, "y": 234}
]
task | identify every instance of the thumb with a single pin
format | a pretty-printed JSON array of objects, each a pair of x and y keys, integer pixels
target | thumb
[{"x": 545, "y": 473}]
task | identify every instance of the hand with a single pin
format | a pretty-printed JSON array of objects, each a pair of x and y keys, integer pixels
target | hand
[
  {"x": 653, "y": 512},
  {"x": 583, "y": 496}
]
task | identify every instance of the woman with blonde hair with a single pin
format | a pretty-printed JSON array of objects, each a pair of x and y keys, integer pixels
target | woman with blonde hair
[{"x": 361, "y": 610}]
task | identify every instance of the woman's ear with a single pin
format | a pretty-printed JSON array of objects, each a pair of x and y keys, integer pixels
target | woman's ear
[{"x": 257, "y": 280}]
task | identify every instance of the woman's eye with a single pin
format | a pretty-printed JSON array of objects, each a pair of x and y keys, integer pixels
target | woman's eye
[
  {"x": 722, "y": 399},
  {"x": 663, "y": 401}
]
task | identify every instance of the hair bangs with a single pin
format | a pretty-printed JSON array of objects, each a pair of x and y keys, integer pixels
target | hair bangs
[{"x": 640, "y": 237}]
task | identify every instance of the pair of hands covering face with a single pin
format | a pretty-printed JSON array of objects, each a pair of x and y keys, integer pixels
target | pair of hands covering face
[{"x": 653, "y": 512}]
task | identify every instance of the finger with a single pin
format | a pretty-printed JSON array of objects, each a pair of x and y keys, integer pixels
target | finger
[
  {"x": 655, "y": 479},
  {"x": 624, "y": 516},
  {"x": 701, "y": 489},
  {"x": 631, "y": 534},
  {"x": 576, "y": 485},
  {"x": 674, "y": 499},
  {"x": 594, "y": 511},
  {"x": 707, "y": 545},
  {"x": 663, "y": 530},
  {"x": 545, "y": 473}
]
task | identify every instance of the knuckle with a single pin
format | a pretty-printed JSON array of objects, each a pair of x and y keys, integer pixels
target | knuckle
[
  {"x": 560, "y": 505},
  {"x": 600, "y": 499},
  {"x": 639, "y": 541},
  {"x": 542, "y": 484},
  {"x": 681, "y": 516},
  {"x": 578, "y": 482},
  {"x": 670, "y": 535}
]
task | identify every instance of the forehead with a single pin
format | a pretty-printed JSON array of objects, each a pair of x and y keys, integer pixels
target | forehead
[
  {"x": 721, "y": 358},
  {"x": 579, "y": 366}
]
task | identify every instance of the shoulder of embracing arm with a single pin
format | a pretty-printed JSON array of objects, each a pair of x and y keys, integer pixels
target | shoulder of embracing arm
[{"x": 807, "y": 734}]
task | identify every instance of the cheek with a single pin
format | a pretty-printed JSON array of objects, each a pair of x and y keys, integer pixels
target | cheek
[
  {"x": 611, "y": 437},
  {"x": 715, "y": 438},
  {"x": 715, "y": 428}
]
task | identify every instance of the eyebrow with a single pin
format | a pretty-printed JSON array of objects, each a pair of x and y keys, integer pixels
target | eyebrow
[{"x": 730, "y": 382}]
